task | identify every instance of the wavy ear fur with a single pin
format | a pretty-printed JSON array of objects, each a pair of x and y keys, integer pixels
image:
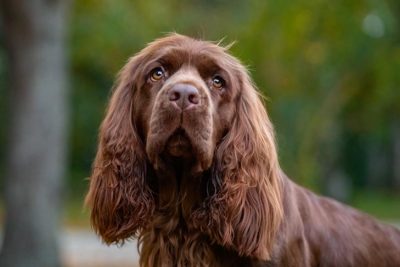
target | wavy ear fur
[
  {"x": 245, "y": 211},
  {"x": 121, "y": 201}
]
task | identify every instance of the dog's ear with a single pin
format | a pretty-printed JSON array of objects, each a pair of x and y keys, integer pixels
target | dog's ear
[
  {"x": 245, "y": 210},
  {"x": 120, "y": 199}
]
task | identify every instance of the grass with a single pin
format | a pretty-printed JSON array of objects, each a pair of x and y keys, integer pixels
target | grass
[{"x": 380, "y": 204}]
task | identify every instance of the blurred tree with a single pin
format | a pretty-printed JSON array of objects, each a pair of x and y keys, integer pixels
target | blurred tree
[{"x": 36, "y": 156}]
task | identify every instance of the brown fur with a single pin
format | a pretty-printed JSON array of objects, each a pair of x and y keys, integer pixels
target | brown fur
[{"x": 203, "y": 186}]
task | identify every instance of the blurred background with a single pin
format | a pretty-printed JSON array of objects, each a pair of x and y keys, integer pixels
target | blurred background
[{"x": 330, "y": 69}]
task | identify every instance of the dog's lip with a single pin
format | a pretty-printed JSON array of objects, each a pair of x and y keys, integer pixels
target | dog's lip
[
  {"x": 179, "y": 138},
  {"x": 179, "y": 144}
]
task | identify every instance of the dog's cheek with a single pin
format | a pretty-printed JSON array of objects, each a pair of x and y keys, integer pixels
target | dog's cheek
[
  {"x": 222, "y": 118},
  {"x": 142, "y": 110}
]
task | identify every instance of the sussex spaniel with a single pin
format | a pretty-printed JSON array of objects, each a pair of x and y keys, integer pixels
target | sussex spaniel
[{"x": 187, "y": 163}]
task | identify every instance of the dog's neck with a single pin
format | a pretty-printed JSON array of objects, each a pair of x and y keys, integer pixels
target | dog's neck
[{"x": 179, "y": 189}]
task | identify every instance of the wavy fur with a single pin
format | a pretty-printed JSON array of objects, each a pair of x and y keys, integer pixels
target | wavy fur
[{"x": 201, "y": 185}]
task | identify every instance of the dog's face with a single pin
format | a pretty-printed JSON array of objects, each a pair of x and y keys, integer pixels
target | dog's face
[{"x": 184, "y": 100}]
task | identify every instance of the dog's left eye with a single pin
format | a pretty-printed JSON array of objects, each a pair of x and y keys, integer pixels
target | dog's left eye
[
  {"x": 218, "y": 82},
  {"x": 157, "y": 74}
]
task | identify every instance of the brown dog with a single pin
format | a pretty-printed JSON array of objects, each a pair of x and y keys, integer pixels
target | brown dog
[{"x": 187, "y": 163}]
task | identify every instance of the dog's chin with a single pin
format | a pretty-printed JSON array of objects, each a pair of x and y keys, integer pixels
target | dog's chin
[{"x": 179, "y": 145}]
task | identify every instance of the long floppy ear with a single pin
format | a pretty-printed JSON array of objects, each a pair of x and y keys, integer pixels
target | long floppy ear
[
  {"x": 121, "y": 201},
  {"x": 245, "y": 210}
]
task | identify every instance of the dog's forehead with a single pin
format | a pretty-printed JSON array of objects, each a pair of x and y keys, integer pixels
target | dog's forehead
[
  {"x": 187, "y": 43},
  {"x": 182, "y": 50}
]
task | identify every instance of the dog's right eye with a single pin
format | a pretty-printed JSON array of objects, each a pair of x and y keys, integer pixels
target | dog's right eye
[
  {"x": 157, "y": 74},
  {"x": 218, "y": 82}
]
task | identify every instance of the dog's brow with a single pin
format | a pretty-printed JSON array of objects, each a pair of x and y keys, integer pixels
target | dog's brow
[{"x": 172, "y": 54}]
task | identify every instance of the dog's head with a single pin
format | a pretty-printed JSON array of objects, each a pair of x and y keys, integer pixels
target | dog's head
[{"x": 184, "y": 98}]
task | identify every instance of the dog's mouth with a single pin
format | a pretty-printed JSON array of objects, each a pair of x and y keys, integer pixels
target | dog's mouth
[
  {"x": 174, "y": 137},
  {"x": 179, "y": 145}
]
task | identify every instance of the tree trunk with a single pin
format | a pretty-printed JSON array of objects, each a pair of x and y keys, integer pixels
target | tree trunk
[{"x": 36, "y": 156}]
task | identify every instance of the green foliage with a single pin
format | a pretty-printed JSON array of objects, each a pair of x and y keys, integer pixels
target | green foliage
[{"x": 381, "y": 204}]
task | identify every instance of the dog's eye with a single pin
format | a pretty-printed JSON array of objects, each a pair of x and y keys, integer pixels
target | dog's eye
[
  {"x": 218, "y": 82},
  {"x": 157, "y": 74}
]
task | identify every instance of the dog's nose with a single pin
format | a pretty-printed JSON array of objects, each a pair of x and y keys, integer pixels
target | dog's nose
[{"x": 184, "y": 95}]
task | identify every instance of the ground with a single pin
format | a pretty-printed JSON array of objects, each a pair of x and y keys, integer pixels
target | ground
[{"x": 82, "y": 248}]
